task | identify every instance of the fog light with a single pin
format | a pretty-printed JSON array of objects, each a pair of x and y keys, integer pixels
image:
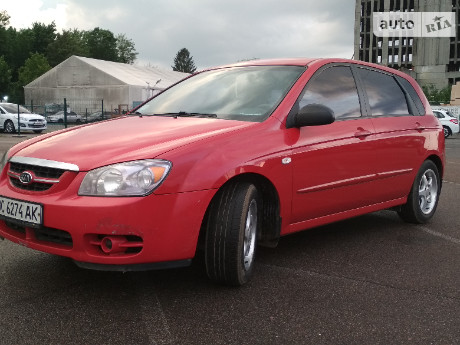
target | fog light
[
  {"x": 107, "y": 244},
  {"x": 113, "y": 244}
]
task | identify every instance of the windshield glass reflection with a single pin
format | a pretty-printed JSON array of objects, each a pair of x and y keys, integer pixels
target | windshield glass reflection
[{"x": 240, "y": 93}]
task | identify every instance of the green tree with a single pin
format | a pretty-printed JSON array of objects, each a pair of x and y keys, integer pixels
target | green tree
[
  {"x": 19, "y": 49},
  {"x": 125, "y": 49},
  {"x": 183, "y": 62},
  {"x": 66, "y": 44},
  {"x": 34, "y": 67},
  {"x": 42, "y": 36},
  {"x": 5, "y": 77},
  {"x": 102, "y": 44},
  {"x": 437, "y": 96}
]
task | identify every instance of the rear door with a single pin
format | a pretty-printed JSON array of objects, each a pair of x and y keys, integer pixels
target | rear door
[{"x": 401, "y": 130}]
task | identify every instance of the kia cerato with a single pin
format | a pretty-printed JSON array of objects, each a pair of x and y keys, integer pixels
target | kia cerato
[{"x": 223, "y": 161}]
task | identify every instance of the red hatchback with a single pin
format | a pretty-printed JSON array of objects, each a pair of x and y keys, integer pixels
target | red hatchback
[{"x": 227, "y": 159}]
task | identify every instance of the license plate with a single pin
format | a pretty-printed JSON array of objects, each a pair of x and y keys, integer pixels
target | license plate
[{"x": 23, "y": 211}]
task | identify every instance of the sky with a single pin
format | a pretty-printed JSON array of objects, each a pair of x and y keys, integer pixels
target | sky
[{"x": 216, "y": 32}]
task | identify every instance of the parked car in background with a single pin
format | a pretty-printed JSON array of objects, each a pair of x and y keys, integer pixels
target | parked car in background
[
  {"x": 97, "y": 116},
  {"x": 72, "y": 117},
  {"x": 224, "y": 160},
  {"x": 27, "y": 121},
  {"x": 448, "y": 122}
]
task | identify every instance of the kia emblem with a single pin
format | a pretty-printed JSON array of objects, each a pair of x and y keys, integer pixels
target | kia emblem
[{"x": 26, "y": 177}]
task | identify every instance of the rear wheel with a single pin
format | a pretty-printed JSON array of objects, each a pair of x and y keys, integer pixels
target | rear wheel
[
  {"x": 423, "y": 198},
  {"x": 9, "y": 127},
  {"x": 231, "y": 234},
  {"x": 447, "y": 132}
]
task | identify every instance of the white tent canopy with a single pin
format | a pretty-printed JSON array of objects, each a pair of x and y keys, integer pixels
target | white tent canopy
[{"x": 85, "y": 81}]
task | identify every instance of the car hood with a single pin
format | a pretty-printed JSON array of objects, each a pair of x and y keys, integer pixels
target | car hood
[{"x": 123, "y": 139}]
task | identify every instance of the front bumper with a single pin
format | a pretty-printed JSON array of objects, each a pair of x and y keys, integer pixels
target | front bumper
[
  {"x": 30, "y": 126},
  {"x": 98, "y": 231}
]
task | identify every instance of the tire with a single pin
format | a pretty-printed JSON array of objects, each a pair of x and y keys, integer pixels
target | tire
[
  {"x": 447, "y": 132},
  {"x": 231, "y": 234},
  {"x": 60, "y": 121},
  {"x": 38, "y": 131},
  {"x": 424, "y": 195},
  {"x": 9, "y": 127}
]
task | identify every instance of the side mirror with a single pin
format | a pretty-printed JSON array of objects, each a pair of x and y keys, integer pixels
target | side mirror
[{"x": 313, "y": 115}]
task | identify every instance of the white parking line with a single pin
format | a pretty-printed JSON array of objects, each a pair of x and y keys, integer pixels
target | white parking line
[
  {"x": 154, "y": 318},
  {"x": 438, "y": 234},
  {"x": 454, "y": 183}
]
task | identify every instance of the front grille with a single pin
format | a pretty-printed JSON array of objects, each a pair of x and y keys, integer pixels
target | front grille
[
  {"x": 54, "y": 236},
  {"x": 39, "y": 172},
  {"x": 33, "y": 187},
  {"x": 48, "y": 235}
]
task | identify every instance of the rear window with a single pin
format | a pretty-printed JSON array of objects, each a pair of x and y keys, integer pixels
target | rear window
[
  {"x": 413, "y": 95},
  {"x": 384, "y": 94}
]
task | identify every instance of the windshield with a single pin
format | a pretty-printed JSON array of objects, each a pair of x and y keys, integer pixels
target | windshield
[
  {"x": 239, "y": 93},
  {"x": 13, "y": 109}
]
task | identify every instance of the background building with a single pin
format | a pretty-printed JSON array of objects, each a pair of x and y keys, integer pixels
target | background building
[
  {"x": 431, "y": 61},
  {"x": 85, "y": 82}
]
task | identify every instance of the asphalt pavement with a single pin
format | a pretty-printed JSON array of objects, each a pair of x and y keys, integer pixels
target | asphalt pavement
[{"x": 369, "y": 280}]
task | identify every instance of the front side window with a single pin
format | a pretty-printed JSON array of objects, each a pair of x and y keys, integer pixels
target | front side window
[
  {"x": 239, "y": 93},
  {"x": 384, "y": 94},
  {"x": 335, "y": 88}
]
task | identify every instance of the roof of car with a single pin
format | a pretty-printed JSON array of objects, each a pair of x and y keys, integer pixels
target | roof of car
[
  {"x": 302, "y": 62},
  {"x": 307, "y": 62},
  {"x": 275, "y": 62}
]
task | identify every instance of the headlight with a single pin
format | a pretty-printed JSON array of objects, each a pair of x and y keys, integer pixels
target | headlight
[
  {"x": 4, "y": 160},
  {"x": 136, "y": 178}
]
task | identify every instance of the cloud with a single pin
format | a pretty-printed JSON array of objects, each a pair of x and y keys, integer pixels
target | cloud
[
  {"x": 24, "y": 13},
  {"x": 215, "y": 32}
]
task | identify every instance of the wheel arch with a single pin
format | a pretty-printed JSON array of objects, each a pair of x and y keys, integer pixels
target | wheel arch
[
  {"x": 270, "y": 228},
  {"x": 438, "y": 162}
]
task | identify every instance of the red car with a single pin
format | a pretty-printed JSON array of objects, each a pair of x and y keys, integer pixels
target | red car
[{"x": 224, "y": 160}]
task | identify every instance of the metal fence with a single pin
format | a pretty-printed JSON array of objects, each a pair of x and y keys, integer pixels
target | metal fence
[{"x": 66, "y": 112}]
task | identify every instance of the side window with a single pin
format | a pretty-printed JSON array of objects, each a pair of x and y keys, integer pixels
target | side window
[
  {"x": 335, "y": 88},
  {"x": 384, "y": 94}
]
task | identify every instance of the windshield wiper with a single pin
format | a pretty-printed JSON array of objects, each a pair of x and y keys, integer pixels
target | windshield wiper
[{"x": 186, "y": 114}]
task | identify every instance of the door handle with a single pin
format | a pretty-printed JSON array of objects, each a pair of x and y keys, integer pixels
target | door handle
[{"x": 362, "y": 133}]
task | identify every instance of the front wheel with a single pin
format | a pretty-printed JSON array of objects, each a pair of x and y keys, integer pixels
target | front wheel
[
  {"x": 231, "y": 234},
  {"x": 9, "y": 127},
  {"x": 424, "y": 195}
]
